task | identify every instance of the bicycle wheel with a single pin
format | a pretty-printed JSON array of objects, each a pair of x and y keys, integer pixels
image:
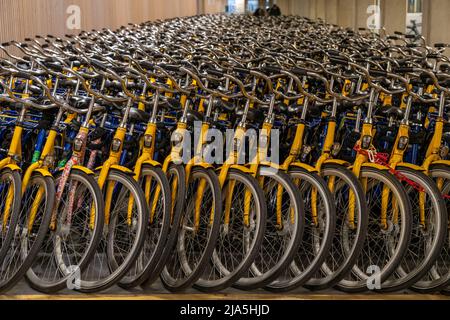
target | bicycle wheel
[
  {"x": 384, "y": 248},
  {"x": 198, "y": 233},
  {"x": 348, "y": 238},
  {"x": 438, "y": 277},
  {"x": 284, "y": 230},
  {"x": 428, "y": 235},
  {"x": 156, "y": 188},
  {"x": 10, "y": 197},
  {"x": 318, "y": 234},
  {"x": 239, "y": 240},
  {"x": 123, "y": 234},
  {"x": 74, "y": 233},
  {"x": 174, "y": 174},
  {"x": 33, "y": 222}
]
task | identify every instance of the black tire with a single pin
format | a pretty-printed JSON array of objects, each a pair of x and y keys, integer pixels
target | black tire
[
  {"x": 97, "y": 277},
  {"x": 25, "y": 244},
  {"x": 347, "y": 241},
  {"x": 212, "y": 279},
  {"x": 438, "y": 277},
  {"x": 183, "y": 270},
  {"x": 426, "y": 244},
  {"x": 381, "y": 264},
  {"x": 157, "y": 227},
  {"x": 174, "y": 173},
  {"x": 318, "y": 235},
  {"x": 279, "y": 246},
  {"x": 10, "y": 183},
  {"x": 68, "y": 249}
]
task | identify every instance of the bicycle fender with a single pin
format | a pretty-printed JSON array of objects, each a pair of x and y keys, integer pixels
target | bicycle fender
[
  {"x": 122, "y": 169},
  {"x": 441, "y": 162},
  {"x": 241, "y": 168},
  {"x": 44, "y": 173},
  {"x": 375, "y": 166},
  {"x": 153, "y": 163},
  {"x": 304, "y": 166},
  {"x": 410, "y": 166},
  {"x": 84, "y": 169},
  {"x": 336, "y": 161},
  {"x": 12, "y": 167},
  {"x": 203, "y": 165}
]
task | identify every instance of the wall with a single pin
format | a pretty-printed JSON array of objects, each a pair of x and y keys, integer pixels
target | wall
[
  {"x": 26, "y": 18},
  {"x": 353, "y": 14}
]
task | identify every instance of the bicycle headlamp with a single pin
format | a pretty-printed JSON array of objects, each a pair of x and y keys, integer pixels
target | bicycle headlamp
[
  {"x": 264, "y": 142},
  {"x": 335, "y": 149},
  {"x": 148, "y": 139},
  {"x": 237, "y": 145},
  {"x": 77, "y": 144},
  {"x": 444, "y": 152},
  {"x": 177, "y": 138},
  {"x": 116, "y": 144},
  {"x": 366, "y": 142},
  {"x": 403, "y": 143}
]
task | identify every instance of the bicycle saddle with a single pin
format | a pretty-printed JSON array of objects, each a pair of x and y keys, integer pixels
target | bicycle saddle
[
  {"x": 193, "y": 115},
  {"x": 137, "y": 116},
  {"x": 253, "y": 115},
  {"x": 171, "y": 103},
  {"x": 391, "y": 111}
]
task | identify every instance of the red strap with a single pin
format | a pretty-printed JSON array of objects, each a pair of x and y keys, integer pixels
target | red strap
[{"x": 383, "y": 159}]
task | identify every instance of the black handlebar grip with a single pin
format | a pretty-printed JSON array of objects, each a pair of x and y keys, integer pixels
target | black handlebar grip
[
  {"x": 300, "y": 71},
  {"x": 242, "y": 70},
  {"x": 410, "y": 36},
  {"x": 215, "y": 72},
  {"x": 98, "y": 64},
  {"x": 404, "y": 70},
  {"x": 432, "y": 56},
  {"x": 147, "y": 65},
  {"x": 378, "y": 73},
  {"x": 271, "y": 69},
  {"x": 440, "y": 45},
  {"x": 398, "y": 33},
  {"x": 338, "y": 60},
  {"x": 392, "y": 37},
  {"x": 170, "y": 67},
  {"x": 23, "y": 75}
]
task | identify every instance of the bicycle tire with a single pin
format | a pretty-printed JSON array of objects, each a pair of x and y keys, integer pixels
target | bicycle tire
[
  {"x": 179, "y": 273},
  {"x": 415, "y": 264},
  {"x": 105, "y": 250},
  {"x": 152, "y": 249},
  {"x": 358, "y": 279},
  {"x": 221, "y": 280},
  {"x": 26, "y": 243},
  {"x": 317, "y": 236},
  {"x": 173, "y": 172},
  {"x": 261, "y": 274},
  {"x": 438, "y": 277},
  {"x": 59, "y": 245}
]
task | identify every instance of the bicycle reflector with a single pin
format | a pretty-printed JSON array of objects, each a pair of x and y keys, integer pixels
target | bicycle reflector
[
  {"x": 148, "y": 139},
  {"x": 403, "y": 143},
  {"x": 177, "y": 138},
  {"x": 444, "y": 152},
  {"x": 116, "y": 144},
  {"x": 77, "y": 144},
  {"x": 366, "y": 142}
]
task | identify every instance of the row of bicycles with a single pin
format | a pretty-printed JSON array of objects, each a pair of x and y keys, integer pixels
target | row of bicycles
[{"x": 225, "y": 151}]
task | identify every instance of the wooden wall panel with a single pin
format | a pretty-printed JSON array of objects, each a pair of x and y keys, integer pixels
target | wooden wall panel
[{"x": 26, "y": 18}]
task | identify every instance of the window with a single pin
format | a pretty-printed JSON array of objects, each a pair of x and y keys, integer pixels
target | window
[{"x": 414, "y": 17}]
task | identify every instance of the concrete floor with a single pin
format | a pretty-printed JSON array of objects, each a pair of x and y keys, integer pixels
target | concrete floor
[{"x": 23, "y": 292}]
